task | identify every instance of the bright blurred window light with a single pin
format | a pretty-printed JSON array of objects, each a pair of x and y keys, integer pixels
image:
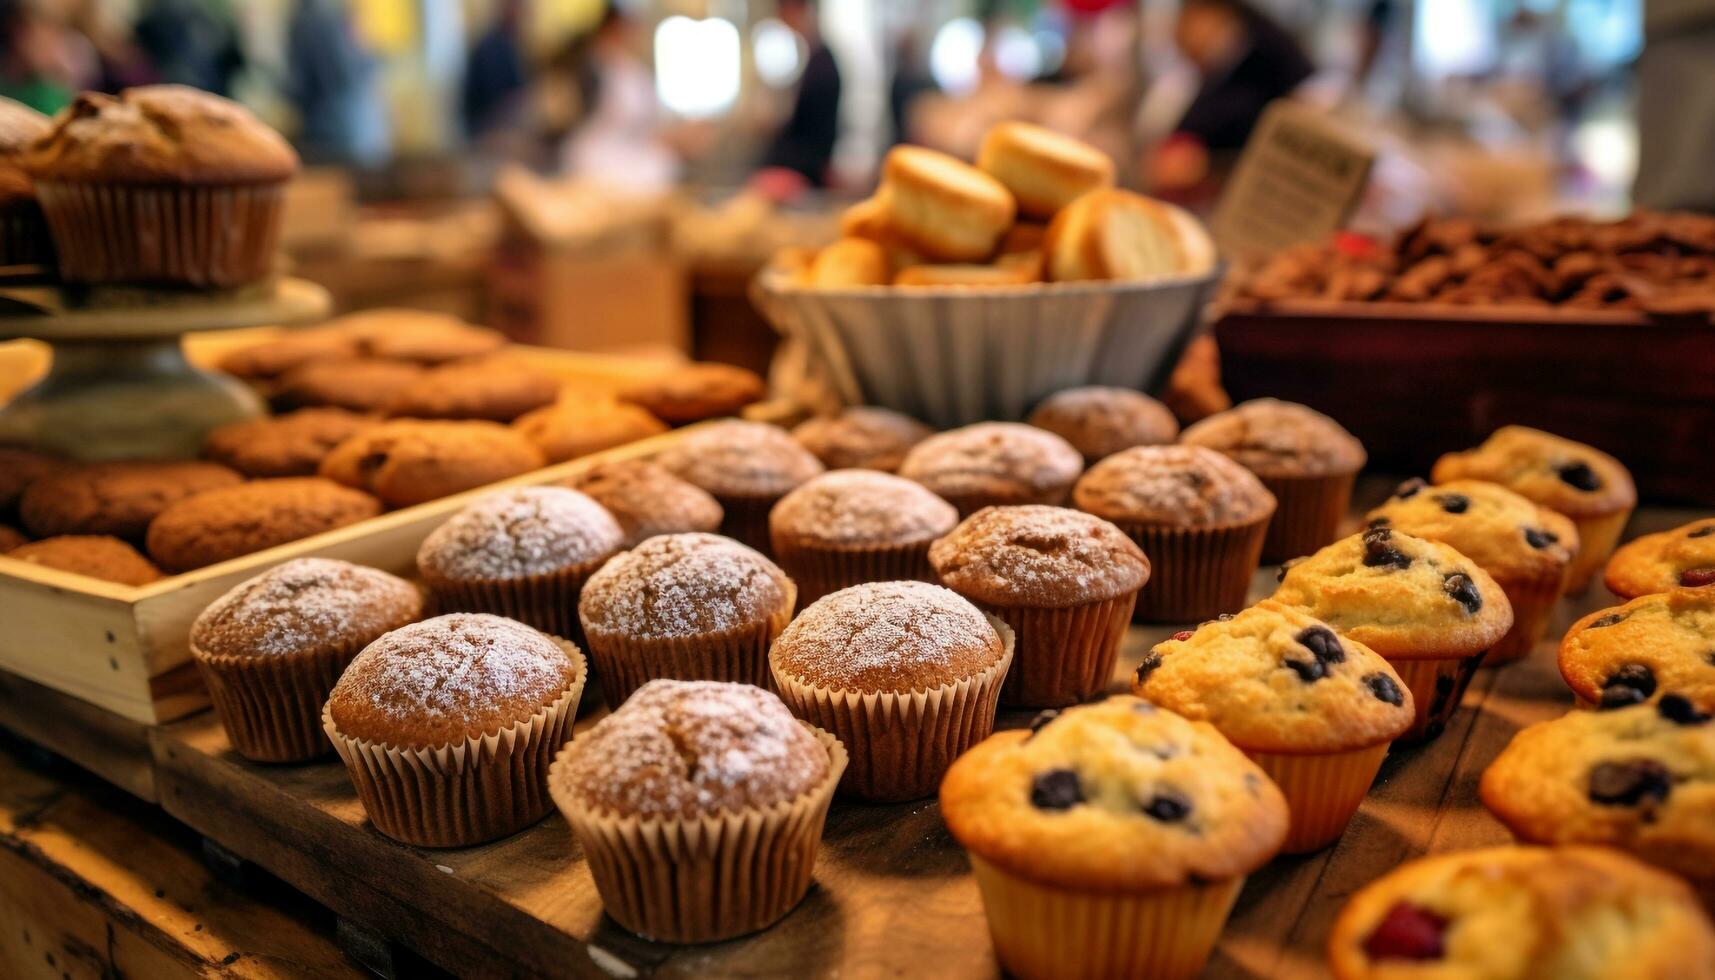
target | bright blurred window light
[
  {"x": 697, "y": 65},
  {"x": 777, "y": 52},
  {"x": 954, "y": 55},
  {"x": 1016, "y": 53}
]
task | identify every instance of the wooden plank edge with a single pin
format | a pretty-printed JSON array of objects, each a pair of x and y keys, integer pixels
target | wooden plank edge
[{"x": 111, "y": 746}]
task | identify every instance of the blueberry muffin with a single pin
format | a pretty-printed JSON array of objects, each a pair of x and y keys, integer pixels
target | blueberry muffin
[
  {"x": 571, "y": 428},
  {"x": 849, "y": 527},
  {"x": 1640, "y": 778},
  {"x": 861, "y": 438},
  {"x": 119, "y": 499},
  {"x": 1316, "y": 712},
  {"x": 228, "y": 522},
  {"x": 285, "y": 445},
  {"x": 407, "y": 461},
  {"x": 1304, "y": 458},
  {"x": 694, "y": 392},
  {"x": 1681, "y": 558},
  {"x": 1651, "y": 646},
  {"x": 1526, "y": 548},
  {"x": 994, "y": 464},
  {"x": 647, "y": 500},
  {"x": 1199, "y": 516},
  {"x": 1520, "y": 913},
  {"x": 1430, "y": 611},
  {"x": 1099, "y": 421},
  {"x": 1107, "y": 822},
  {"x": 747, "y": 466},
  {"x": 1582, "y": 482},
  {"x": 493, "y": 389},
  {"x": 92, "y": 555}
]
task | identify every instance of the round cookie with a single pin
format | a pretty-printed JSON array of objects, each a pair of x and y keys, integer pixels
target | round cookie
[
  {"x": 407, "y": 462},
  {"x": 1099, "y": 421},
  {"x": 747, "y": 466},
  {"x": 994, "y": 463},
  {"x": 848, "y": 527},
  {"x": 1681, "y": 558},
  {"x": 942, "y": 207},
  {"x": 493, "y": 389},
  {"x": 228, "y": 522},
  {"x": 694, "y": 392},
  {"x": 1653, "y": 645},
  {"x": 646, "y": 499},
  {"x": 419, "y": 336},
  {"x": 114, "y": 498},
  {"x": 20, "y": 467},
  {"x": 572, "y": 428},
  {"x": 284, "y": 445},
  {"x": 861, "y": 438},
  {"x": 1043, "y": 169},
  {"x": 95, "y": 555},
  {"x": 292, "y": 349},
  {"x": 367, "y": 385}
]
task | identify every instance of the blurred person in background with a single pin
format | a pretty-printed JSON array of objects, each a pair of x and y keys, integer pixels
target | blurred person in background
[
  {"x": 43, "y": 63},
  {"x": 496, "y": 74},
  {"x": 801, "y": 152},
  {"x": 186, "y": 42},
  {"x": 619, "y": 140},
  {"x": 336, "y": 85},
  {"x": 1676, "y": 106}
]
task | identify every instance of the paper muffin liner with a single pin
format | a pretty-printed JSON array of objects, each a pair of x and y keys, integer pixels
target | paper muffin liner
[
  {"x": 1322, "y": 789},
  {"x": 1307, "y": 513},
  {"x": 625, "y": 663},
  {"x": 548, "y": 602},
  {"x": 1062, "y": 656},
  {"x": 24, "y": 237},
  {"x": 1533, "y": 602},
  {"x": 477, "y": 790},
  {"x": 745, "y": 520},
  {"x": 210, "y": 236},
  {"x": 1196, "y": 573},
  {"x": 1597, "y": 539},
  {"x": 901, "y": 743},
  {"x": 1437, "y": 686},
  {"x": 1043, "y": 932},
  {"x": 820, "y": 571},
  {"x": 704, "y": 879},
  {"x": 271, "y": 706}
]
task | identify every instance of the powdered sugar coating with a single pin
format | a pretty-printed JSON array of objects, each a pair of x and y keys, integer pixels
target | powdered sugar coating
[
  {"x": 304, "y": 606},
  {"x": 998, "y": 460},
  {"x": 1182, "y": 485},
  {"x": 1099, "y": 421},
  {"x": 520, "y": 532},
  {"x": 887, "y": 636},
  {"x": 680, "y": 585},
  {"x": 863, "y": 437},
  {"x": 690, "y": 748},
  {"x": 1277, "y": 438},
  {"x": 741, "y": 459},
  {"x": 446, "y": 679},
  {"x": 1040, "y": 556},
  {"x": 861, "y": 507},
  {"x": 647, "y": 500}
]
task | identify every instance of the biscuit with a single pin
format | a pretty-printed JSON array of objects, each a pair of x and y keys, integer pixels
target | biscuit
[
  {"x": 948, "y": 210},
  {"x": 1043, "y": 169},
  {"x": 1116, "y": 234},
  {"x": 849, "y": 262}
]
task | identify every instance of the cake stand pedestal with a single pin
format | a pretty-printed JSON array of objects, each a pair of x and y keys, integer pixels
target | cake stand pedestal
[{"x": 119, "y": 386}]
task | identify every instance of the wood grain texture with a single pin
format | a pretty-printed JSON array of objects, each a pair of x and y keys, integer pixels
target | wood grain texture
[{"x": 110, "y": 746}]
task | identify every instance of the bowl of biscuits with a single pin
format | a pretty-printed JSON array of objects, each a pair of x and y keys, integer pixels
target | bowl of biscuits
[{"x": 960, "y": 292}]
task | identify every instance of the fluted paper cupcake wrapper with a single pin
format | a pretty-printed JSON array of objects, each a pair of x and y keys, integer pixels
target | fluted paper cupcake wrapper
[
  {"x": 211, "y": 236},
  {"x": 900, "y": 744},
  {"x": 745, "y": 520},
  {"x": 1196, "y": 573},
  {"x": 477, "y": 790},
  {"x": 704, "y": 879},
  {"x": 1307, "y": 513},
  {"x": 822, "y": 571},
  {"x": 1063, "y": 656},
  {"x": 271, "y": 706},
  {"x": 24, "y": 237},
  {"x": 1597, "y": 539},
  {"x": 1533, "y": 602},
  {"x": 548, "y": 602},
  {"x": 1437, "y": 687},
  {"x": 1323, "y": 791},
  {"x": 625, "y": 663},
  {"x": 1042, "y": 932}
]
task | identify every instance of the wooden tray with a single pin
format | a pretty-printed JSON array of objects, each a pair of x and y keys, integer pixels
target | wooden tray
[
  {"x": 124, "y": 649},
  {"x": 1413, "y": 382}
]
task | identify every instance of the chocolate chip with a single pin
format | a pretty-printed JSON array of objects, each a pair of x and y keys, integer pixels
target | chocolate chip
[
  {"x": 1307, "y": 670},
  {"x": 1042, "y": 719},
  {"x": 1454, "y": 503},
  {"x": 1608, "y": 620},
  {"x": 1385, "y": 689},
  {"x": 1635, "y": 678},
  {"x": 1151, "y": 660},
  {"x": 1463, "y": 591},
  {"x": 1693, "y": 578},
  {"x": 1629, "y": 782},
  {"x": 1168, "y": 806},
  {"x": 1702, "y": 532},
  {"x": 1539, "y": 539},
  {"x": 1378, "y": 553},
  {"x": 1579, "y": 476},
  {"x": 1056, "y": 789},
  {"x": 1678, "y": 709},
  {"x": 1410, "y": 488},
  {"x": 1407, "y": 932}
]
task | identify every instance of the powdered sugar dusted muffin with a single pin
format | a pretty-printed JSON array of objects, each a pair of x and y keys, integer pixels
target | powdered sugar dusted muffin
[
  {"x": 502, "y": 691},
  {"x": 747, "y": 466},
  {"x": 1653, "y": 645},
  {"x": 727, "y": 762},
  {"x": 1516, "y": 913},
  {"x": 994, "y": 463},
  {"x": 1064, "y": 581},
  {"x": 684, "y": 606},
  {"x": 904, "y": 674},
  {"x": 647, "y": 500},
  {"x": 1099, "y": 421},
  {"x": 864, "y": 437},
  {"x": 1681, "y": 558},
  {"x": 271, "y": 648},
  {"x": 523, "y": 553},
  {"x": 853, "y": 526}
]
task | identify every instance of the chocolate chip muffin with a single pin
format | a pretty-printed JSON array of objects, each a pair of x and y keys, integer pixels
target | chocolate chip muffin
[
  {"x": 904, "y": 674},
  {"x": 1304, "y": 458},
  {"x": 1432, "y": 612},
  {"x": 1653, "y": 645},
  {"x": 447, "y": 727},
  {"x": 748, "y": 467},
  {"x": 1099, "y": 421},
  {"x": 694, "y": 392},
  {"x": 93, "y": 555},
  {"x": 1199, "y": 516},
  {"x": 994, "y": 464},
  {"x": 494, "y": 389},
  {"x": 24, "y": 238},
  {"x": 724, "y": 762},
  {"x": 647, "y": 500},
  {"x": 271, "y": 648},
  {"x": 20, "y": 467},
  {"x": 1526, "y": 548},
  {"x": 1515, "y": 913},
  {"x": 365, "y": 384},
  {"x": 1108, "y": 822},
  {"x": 285, "y": 445},
  {"x": 1064, "y": 581},
  {"x": 574, "y": 427},
  {"x": 1316, "y": 712},
  {"x": 865, "y": 437},
  {"x": 1681, "y": 558},
  {"x": 407, "y": 462},
  {"x": 114, "y": 498},
  {"x": 1582, "y": 482},
  {"x": 228, "y": 522},
  {"x": 853, "y": 526}
]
